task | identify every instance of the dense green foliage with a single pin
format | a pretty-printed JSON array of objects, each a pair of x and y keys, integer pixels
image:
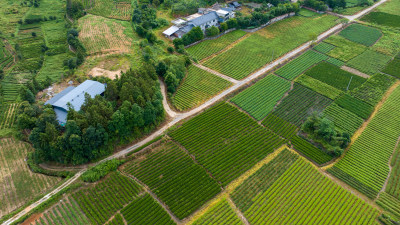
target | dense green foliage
[
  {"x": 335, "y": 76},
  {"x": 324, "y": 132},
  {"x": 310, "y": 151},
  {"x": 226, "y": 141},
  {"x": 369, "y": 62},
  {"x": 145, "y": 210},
  {"x": 343, "y": 119},
  {"x": 373, "y": 90},
  {"x": 220, "y": 213},
  {"x": 132, "y": 106},
  {"x": 365, "y": 165},
  {"x": 299, "y": 104},
  {"x": 268, "y": 44},
  {"x": 393, "y": 68},
  {"x": 172, "y": 69},
  {"x": 355, "y": 106},
  {"x": 302, "y": 195},
  {"x": 300, "y": 64},
  {"x": 209, "y": 47},
  {"x": 279, "y": 126},
  {"x": 97, "y": 172},
  {"x": 259, "y": 182},
  {"x": 175, "y": 179},
  {"x": 101, "y": 201},
  {"x": 361, "y": 34},
  {"x": 319, "y": 86},
  {"x": 260, "y": 99},
  {"x": 198, "y": 86},
  {"x": 384, "y": 19}
]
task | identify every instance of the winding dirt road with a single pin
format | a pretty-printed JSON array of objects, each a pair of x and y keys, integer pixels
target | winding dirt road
[{"x": 176, "y": 117}]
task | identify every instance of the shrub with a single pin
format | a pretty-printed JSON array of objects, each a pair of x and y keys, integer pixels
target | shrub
[
  {"x": 212, "y": 31},
  {"x": 96, "y": 173}
]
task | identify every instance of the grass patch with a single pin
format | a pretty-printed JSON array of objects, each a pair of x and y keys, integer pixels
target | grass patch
[{"x": 384, "y": 19}]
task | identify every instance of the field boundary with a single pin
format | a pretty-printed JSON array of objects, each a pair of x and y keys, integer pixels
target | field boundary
[{"x": 225, "y": 77}]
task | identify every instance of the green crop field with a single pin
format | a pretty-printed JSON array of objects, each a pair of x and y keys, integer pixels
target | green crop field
[
  {"x": 369, "y": 62},
  {"x": 198, "y": 86},
  {"x": 279, "y": 126},
  {"x": 220, "y": 213},
  {"x": 260, "y": 99},
  {"x": 310, "y": 151},
  {"x": 365, "y": 165},
  {"x": 268, "y": 44},
  {"x": 66, "y": 212},
  {"x": 6, "y": 58},
  {"x": 345, "y": 49},
  {"x": 300, "y": 64},
  {"x": 175, "y": 179},
  {"x": 393, "y": 68},
  {"x": 373, "y": 90},
  {"x": 8, "y": 114},
  {"x": 226, "y": 141},
  {"x": 102, "y": 35},
  {"x": 300, "y": 103},
  {"x": 324, "y": 47},
  {"x": 393, "y": 184},
  {"x": 18, "y": 182},
  {"x": 384, "y": 19},
  {"x": 389, "y": 44},
  {"x": 101, "y": 201},
  {"x": 120, "y": 9},
  {"x": 299, "y": 194},
  {"x": 390, "y": 204},
  {"x": 318, "y": 86},
  {"x": 344, "y": 119},
  {"x": 334, "y": 76},
  {"x": 335, "y": 62},
  {"x": 361, "y": 34},
  {"x": 209, "y": 47},
  {"x": 118, "y": 220},
  {"x": 354, "y": 105},
  {"x": 145, "y": 210}
]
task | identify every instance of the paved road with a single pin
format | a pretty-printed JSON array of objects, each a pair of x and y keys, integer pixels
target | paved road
[{"x": 181, "y": 116}]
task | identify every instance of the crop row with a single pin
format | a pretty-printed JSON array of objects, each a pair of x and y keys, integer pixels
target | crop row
[
  {"x": 355, "y": 106},
  {"x": 111, "y": 9},
  {"x": 367, "y": 159},
  {"x": 319, "y": 86},
  {"x": 198, "y": 86},
  {"x": 299, "y": 104},
  {"x": 304, "y": 196},
  {"x": 324, "y": 47},
  {"x": 100, "y": 202},
  {"x": 173, "y": 176},
  {"x": 8, "y": 114},
  {"x": 373, "y": 90},
  {"x": 117, "y": 220},
  {"x": 209, "y": 47},
  {"x": 389, "y": 203},
  {"x": 226, "y": 141},
  {"x": 279, "y": 126},
  {"x": 334, "y": 76},
  {"x": 66, "y": 212},
  {"x": 393, "y": 68},
  {"x": 300, "y": 64},
  {"x": 393, "y": 185},
  {"x": 145, "y": 210},
  {"x": 369, "y": 62},
  {"x": 262, "y": 179},
  {"x": 361, "y": 34},
  {"x": 310, "y": 151},
  {"x": 220, "y": 213},
  {"x": 260, "y": 99},
  {"x": 342, "y": 118}
]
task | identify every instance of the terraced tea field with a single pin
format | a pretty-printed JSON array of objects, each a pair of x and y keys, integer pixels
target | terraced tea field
[
  {"x": 17, "y": 181},
  {"x": 365, "y": 165},
  {"x": 119, "y": 9},
  {"x": 289, "y": 190},
  {"x": 8, "y": 114},
  {"x": 198, "y": 86},
  {"x": 220, "y": 213},
  {"x": 226, "y": 141}
]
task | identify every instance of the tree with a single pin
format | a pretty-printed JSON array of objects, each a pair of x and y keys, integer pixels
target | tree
[
  {"x": 26, "y": 95},
  {"x": 223, "y": 27},
  {"x": 212, "y": 31},
  {"x": 232, "y": 23}
]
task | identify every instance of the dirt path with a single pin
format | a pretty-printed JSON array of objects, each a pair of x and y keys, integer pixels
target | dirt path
[
  {"x": 182, "y": 116},
  {"x": 364, "y": 125},
  {"x": 237, "y": 211},
  {"x": 354, "y": 71},
  {"x": 167, "y": 108},
  {"x": 230, "y": 79}
]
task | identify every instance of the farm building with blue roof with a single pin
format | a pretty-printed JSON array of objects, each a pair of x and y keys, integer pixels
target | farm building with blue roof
[{"x": 75, "y": 96}]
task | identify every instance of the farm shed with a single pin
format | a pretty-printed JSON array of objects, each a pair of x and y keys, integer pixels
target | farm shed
[{"x": 75, "y": 96}]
